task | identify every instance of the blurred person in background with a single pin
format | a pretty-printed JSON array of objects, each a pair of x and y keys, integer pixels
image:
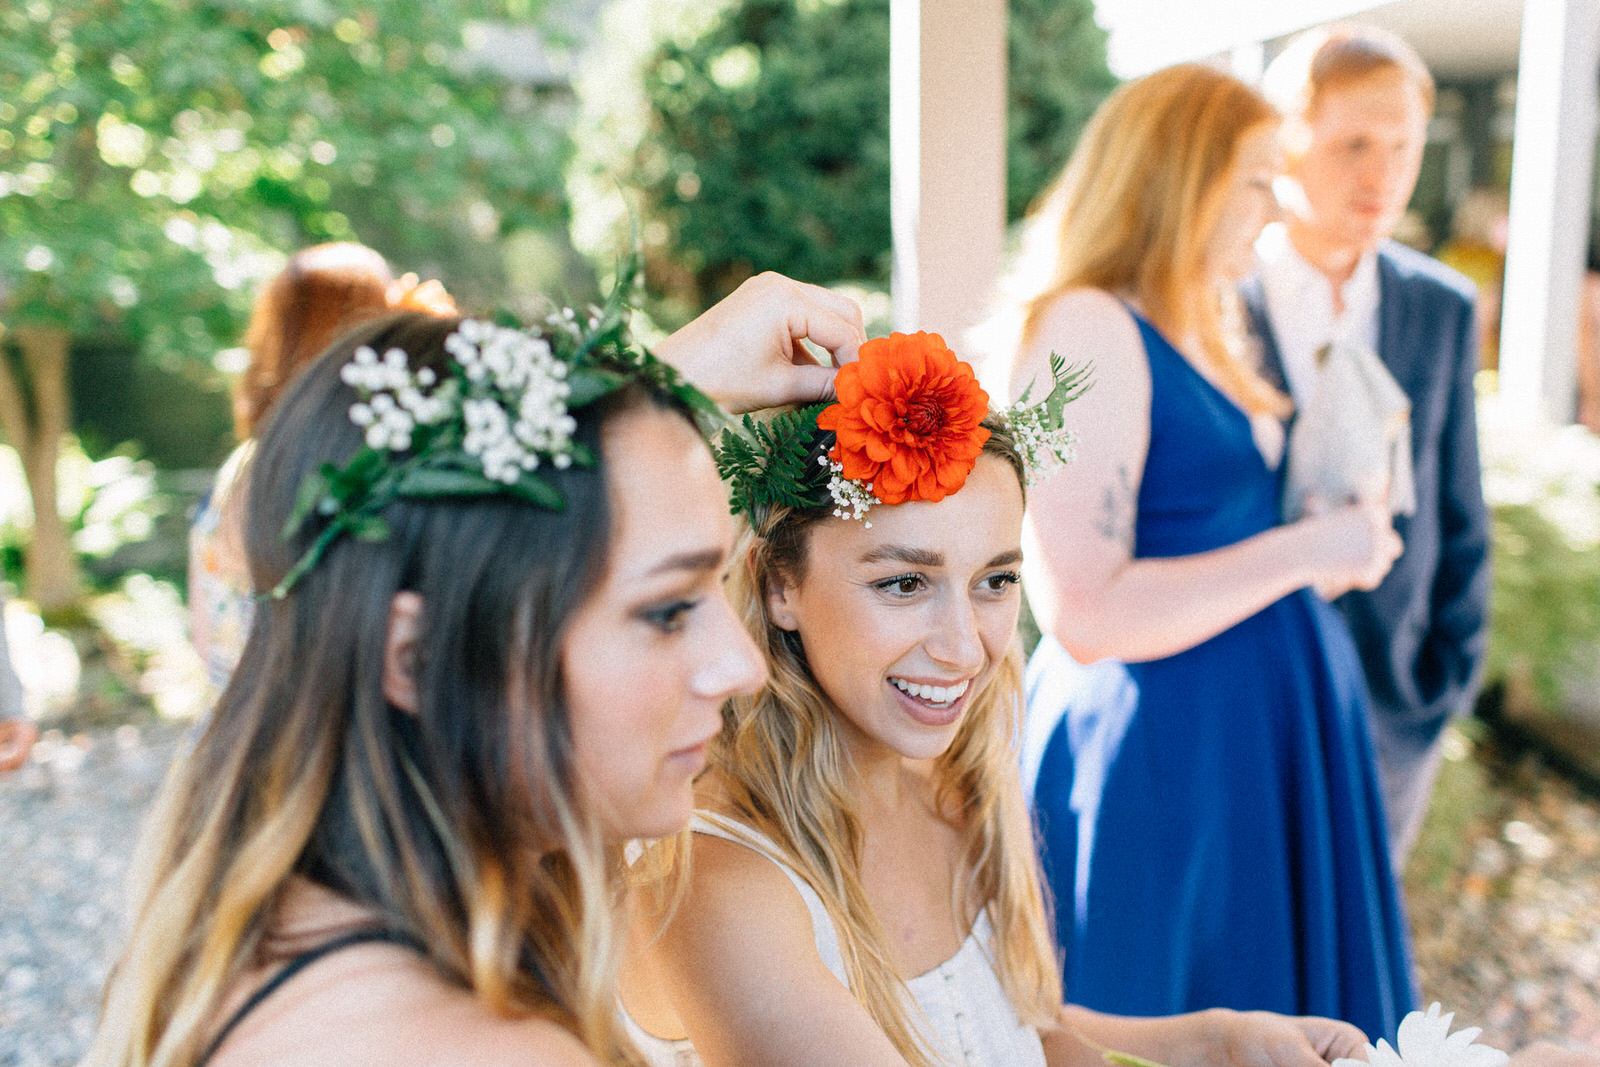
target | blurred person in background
[
  {"x": 322, "y": 293},
  {"x": 1589, "y": 343},
  {"x": 17, "y": 731},
  {"x": 1357, "y": 101}
]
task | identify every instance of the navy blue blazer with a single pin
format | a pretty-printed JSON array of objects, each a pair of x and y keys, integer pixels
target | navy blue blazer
[{"x": 1423, "y": 631}]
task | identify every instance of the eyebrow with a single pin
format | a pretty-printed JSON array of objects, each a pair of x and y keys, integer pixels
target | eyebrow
[
  {"x": 921, "y": 557},
  {"x": 915, "y": 557},
  {"x": 701, "y": 560},
  {"x": 1007, "y": 559}
]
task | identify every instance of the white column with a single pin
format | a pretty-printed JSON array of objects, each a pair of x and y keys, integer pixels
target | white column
[
  {"x": 1553, "y": 150},
  {"x": 947, "y": 120}
]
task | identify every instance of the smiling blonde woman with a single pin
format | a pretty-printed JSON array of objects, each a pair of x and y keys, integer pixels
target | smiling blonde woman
[{"x": 863, "y": 887}]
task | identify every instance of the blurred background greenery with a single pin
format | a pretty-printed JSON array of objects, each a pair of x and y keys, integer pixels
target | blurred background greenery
[{"x": 159, "y": 160}]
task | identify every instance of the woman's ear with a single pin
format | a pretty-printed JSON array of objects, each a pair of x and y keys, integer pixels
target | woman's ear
[
  {"x": 780, "y": 602},
  {"x": 400, "y": 651}
]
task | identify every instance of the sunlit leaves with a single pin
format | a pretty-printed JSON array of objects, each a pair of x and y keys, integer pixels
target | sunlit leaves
[{"x": 274, "y": 122}]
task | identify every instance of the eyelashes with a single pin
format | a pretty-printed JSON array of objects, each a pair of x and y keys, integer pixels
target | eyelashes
[
  {"x": 901, "y": 584},
  {"x": 1004, "y": 578},
  {"x": 670, "y": 617},
  {"x": 905, "y": 585}
]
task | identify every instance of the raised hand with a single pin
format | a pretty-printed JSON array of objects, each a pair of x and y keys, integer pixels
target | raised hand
[
  {"x": 1263, "y": 1039},
  {"x": 1354, "y": 545},
  {"x": 745, "y": 352}
]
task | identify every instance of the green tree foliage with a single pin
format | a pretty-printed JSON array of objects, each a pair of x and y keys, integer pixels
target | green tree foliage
[
  {"x": 1057, "y": 78},
  {"x": 756, "y": 133},
  {"x": 158, "y": 158},
  {"x": 155, "y": 157}
]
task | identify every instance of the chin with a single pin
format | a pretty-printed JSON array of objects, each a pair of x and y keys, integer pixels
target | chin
[
  {"x": 1366, "y": 234},
  {"x": 662, "y": 820},
  {"x": 925, "y": 746}
]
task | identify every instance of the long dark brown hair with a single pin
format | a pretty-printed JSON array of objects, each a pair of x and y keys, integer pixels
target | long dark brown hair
[{"x": 458, "y": 824}]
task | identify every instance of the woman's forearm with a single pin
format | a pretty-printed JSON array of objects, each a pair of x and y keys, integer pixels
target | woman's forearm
[
  {"x": 1150, "y": 608},
  {"x": 1083, "y": 1037}
]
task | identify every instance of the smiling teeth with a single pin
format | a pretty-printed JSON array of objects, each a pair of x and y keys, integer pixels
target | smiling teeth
[{"x": 932, "y": 694}]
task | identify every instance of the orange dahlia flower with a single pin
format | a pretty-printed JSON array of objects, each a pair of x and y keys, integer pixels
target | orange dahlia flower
[{"x": 907, "y": 418}]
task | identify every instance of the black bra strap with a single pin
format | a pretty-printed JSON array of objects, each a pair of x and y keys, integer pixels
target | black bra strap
[{"x": 292, "y": 968}]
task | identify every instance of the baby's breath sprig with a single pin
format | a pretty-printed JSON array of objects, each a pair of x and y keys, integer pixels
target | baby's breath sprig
[
  {"x": 1042, "y": 441},
  {"x": 851, "y": 499},
  {"x": 487, "y": 425}
]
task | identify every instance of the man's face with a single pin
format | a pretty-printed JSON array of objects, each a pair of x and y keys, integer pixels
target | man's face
[{"x": 1358, "y": 170}]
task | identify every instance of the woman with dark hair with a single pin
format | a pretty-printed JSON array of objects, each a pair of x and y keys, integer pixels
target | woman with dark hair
[{"x": 490, "y": 649}]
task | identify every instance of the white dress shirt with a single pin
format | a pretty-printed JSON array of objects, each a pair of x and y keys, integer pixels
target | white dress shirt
[{"x": 1300, "y": 307}]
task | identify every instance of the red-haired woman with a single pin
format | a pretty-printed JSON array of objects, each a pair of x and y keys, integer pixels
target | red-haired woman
[{"x": 1211, "y": 818}]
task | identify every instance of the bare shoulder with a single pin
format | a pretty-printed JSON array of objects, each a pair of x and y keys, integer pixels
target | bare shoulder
[
  {"x": 474, "y": 1035},
  {"x": 383, "y": 1006},
  {"x": 730, "y": 881},
  {"x": 742, "y": 928},
  {"x": 1082, "y": 326},
  {"x": 749, "y": 984},
  {"x": 1085, "y": 309},
  {"x": 432, "y": 1023}
]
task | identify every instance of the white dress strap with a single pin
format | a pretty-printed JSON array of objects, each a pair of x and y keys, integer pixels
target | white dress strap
[
  {"x": 667, "y": 1052},
  {"x": 822, "y": 929},
  {"x": 966, "y": 1018}
]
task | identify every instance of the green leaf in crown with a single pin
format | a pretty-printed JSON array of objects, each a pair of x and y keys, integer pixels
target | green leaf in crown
[
  {"x": 773, "y": 463},
  {"x": 501, "y": 415}
]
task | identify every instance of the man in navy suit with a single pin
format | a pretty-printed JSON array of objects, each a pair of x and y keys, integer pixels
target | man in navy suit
[{"x": 1357, "y": 102}]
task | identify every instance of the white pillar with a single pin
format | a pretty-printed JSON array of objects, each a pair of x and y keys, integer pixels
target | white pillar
[
  {"x": 947, "y": 121},
  {"x": 1550, "y": 194}
]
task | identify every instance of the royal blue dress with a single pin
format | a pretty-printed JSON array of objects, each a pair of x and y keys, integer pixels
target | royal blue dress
[{"x": 1212, "y": 826}]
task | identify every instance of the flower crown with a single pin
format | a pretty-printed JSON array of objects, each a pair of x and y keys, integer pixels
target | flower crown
[
  {"x": 906, "y": 426},
  {"x": 502, "y": 411}
]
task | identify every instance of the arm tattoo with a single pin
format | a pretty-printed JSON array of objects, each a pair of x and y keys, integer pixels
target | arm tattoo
[{"x": 1117, "y": 510}]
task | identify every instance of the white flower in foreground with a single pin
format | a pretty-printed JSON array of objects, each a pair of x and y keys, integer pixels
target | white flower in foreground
[{"x": 1426, "y": 1041}]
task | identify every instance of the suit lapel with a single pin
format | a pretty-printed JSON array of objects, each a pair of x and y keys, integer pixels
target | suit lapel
[{"x": 1391, "y": 346}]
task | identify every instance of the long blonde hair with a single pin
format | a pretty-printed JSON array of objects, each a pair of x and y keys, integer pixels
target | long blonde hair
[
  {"x": 783, "y": 767},
  {"x": 1133, "y": 208},
  {"x": 458, "y": 825}
]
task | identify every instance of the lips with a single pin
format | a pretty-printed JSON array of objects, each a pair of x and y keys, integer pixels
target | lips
[
  {"x": 695, "y": 752},
  {"x": 936, "y": 695},
  {"x": 692, "y": 758},
  {"x": 918, "y": 698}
]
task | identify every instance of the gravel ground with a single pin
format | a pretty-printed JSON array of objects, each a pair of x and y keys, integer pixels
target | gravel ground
[
  {"x": 69, "y": 821},
  {"x": 1504, "y": 891},
  {"x": 1507, "y": 921}
]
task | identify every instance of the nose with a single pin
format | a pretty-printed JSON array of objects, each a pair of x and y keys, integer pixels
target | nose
[
  {"x": 733, "y": 665},
  {"x": 1273, "y": 210},
  {"x": 1379, "y": 170},
  {"x": 955, "y": 640}
]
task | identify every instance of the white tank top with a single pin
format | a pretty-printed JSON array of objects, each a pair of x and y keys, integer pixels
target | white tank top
[{"x": 967, "y": 1020}]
